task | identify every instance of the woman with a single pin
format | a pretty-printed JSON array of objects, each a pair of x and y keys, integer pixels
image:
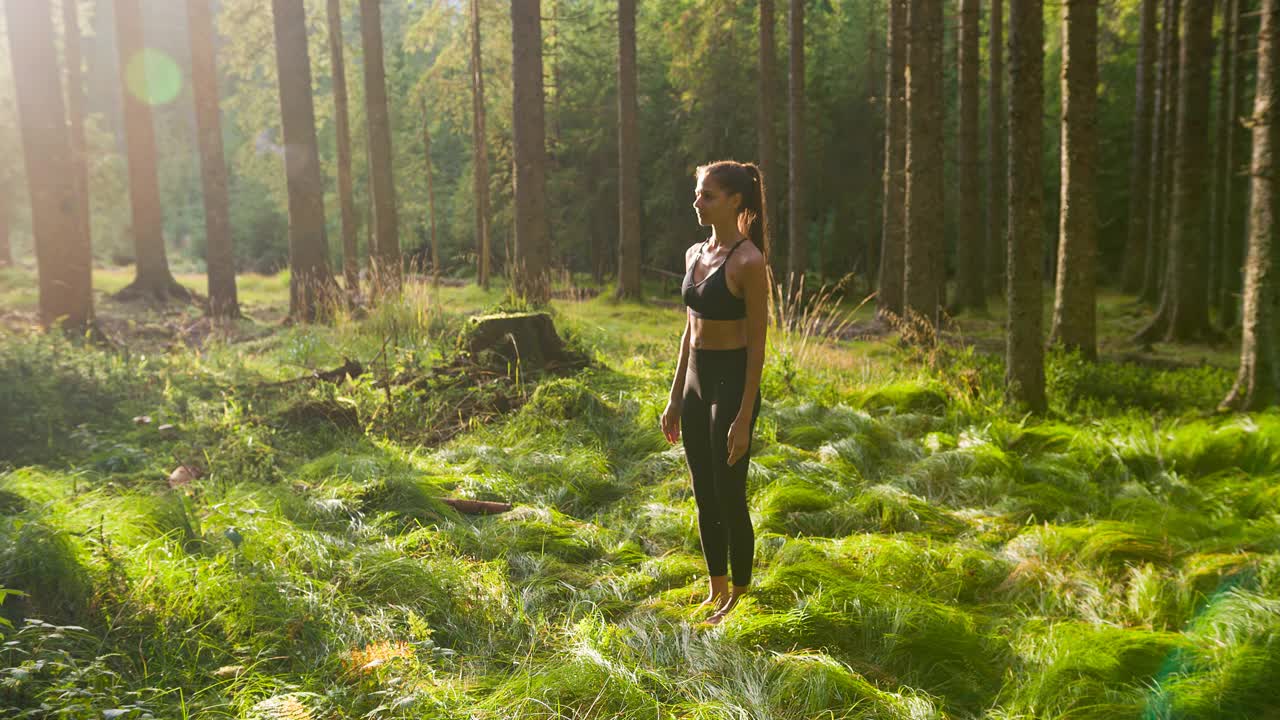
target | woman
[{"x": 716, "y": 391}]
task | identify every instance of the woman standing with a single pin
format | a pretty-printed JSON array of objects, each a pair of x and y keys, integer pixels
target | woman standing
[{"x": 716, "y": 391}]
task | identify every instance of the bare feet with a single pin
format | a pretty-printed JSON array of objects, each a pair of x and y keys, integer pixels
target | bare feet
[
  {"x": 719, "y": 594},
  {"x": 719, "y": 615}
]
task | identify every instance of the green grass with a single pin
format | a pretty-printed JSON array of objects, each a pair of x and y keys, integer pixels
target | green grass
[{"x": 922, "y": 551}]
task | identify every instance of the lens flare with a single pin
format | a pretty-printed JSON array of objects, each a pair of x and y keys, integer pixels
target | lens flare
[{"x": 153, "y": 77}]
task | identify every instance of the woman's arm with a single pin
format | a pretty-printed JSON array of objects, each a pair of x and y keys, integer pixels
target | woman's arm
[
  {"x": 682, "y": 366},
  {"x": 755, "y": 287}
]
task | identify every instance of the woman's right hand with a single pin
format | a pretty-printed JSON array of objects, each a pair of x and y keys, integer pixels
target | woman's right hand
[{"x": 671, "y": 421}]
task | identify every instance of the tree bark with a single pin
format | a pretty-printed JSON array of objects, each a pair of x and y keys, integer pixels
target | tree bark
[
  {"x": 1024, "y": 349},
  {"x": 1074, "y": 318},
  {"x": 153, "y": 277},
  {"x": 431, "y": 194},
  {"x": 342, "y": 116},
  {"x": 63, "y": 261},
  {"x": 797, "y": 214},
  {"x": 893, "y": 242},
  {"x": 1183, "y": 315},
  {"x": 6, "y": 200},
  {"x": 311, "y": 285},
  {"x": 479, "y": 151},
  {"x": 219, "y": 258},
  {"x": 969, "y": 240},
  {"x": 998, "y": 166},
  {"x": 532, "y": 243},
  {"x": 766, "y": 125},
  {"x": 629, "y": 259},
  {"x": 924, "y": 171},
  {"x": 1140, "y": 162},
  {"x": 1232, "y": 221},
  {"x": 1162, "y": 147},
  {"x": 1258, "y": 381},
  {"x": 1221, "y": 139},
  {"x": 387, "y": 271},
  {"x": 76, "y": 114}
]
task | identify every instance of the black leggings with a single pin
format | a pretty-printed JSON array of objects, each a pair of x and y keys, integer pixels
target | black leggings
[{"x": 712, "y": 396}]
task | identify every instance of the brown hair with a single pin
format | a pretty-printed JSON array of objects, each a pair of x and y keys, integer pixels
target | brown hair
[{"x": 746, "y": 180}]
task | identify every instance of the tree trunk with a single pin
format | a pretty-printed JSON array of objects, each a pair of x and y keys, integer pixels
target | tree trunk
[
  {"x": 342, "y": 115},
  {"x": 63, "y": 260},
  {"x": 76, "y": 115},
  {"x": 1163, "y": 148},
  {"x": 629, "y": 259},
  {"x": 1235, "y": 190},
  {"x": 387, "y": 270},
  {"x": 311, "y": 286},
  {"x": 766, "y": 140},
  {"x": 797, "y": 217},
  {"x": 1140, "y": 163},
  {"x": 479, "y": 151},
  {"x": 1074, "y": 317},
  {"x": 1024, "y": 350},
  {"x": 998, "y": 166},
  {"x": 924, "y": 193},
  {"x": 153, "y": 277},
  {"x": 969, "y": 256},
  {"x": 431, "y": 194},
  {"x": 1258, "y": 382},
  {"x": 532, "y": 243},
  {"x": 1222, "y": 138},
  {"x": 893, "y": 242},
  {"x": 219, "y": 258},
  {"x": 6, "y": 200},
  {"x": 1183, "y": 315}
]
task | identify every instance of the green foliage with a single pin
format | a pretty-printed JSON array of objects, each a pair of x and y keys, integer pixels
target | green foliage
[{"x": 1075, "y": 385}]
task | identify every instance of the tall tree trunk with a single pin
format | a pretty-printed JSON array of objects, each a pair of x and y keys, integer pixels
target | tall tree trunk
[
  {"x": 1024, "y": 350},
  {"x": 924, "y": 194},
  {"x": 797, "y": 214},
  {"x": 342, "y": 116},
  {"x": 63, "y": 260},
  {"x": 1163, "y": 149},
  {"x": 1074, "y": 318},
  {"x": 1232, "y": 225},
  {"x": 153, "y": 276},
  {"x": 969, "y": 240},
  {"x": 76, "y": 114},
  {"x": 873, "y": 210},
  {"x": 998, "y": 165},
  {"x": 766, "y": 124},
  {"x": 1140, "y": 163},
  {"x": 1183, "y": 315},
  {"x": 1221, "y": 153},
  {"x": 311, "y": 285},
  {"x": 1258, "y": 381},
  {"x": 629, "y": 259},
  {"x": 387, "y": 272},
  {"x": 219, "y": 258},
  {"x": 479, "y": 151},
  {"x": 431, "y": 194},
  {"x": 532, "y": 243},
  {"x": 893, "y": 242}
]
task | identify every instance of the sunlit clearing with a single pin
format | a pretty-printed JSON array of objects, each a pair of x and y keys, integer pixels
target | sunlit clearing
[{"x": 153, "y": 77}]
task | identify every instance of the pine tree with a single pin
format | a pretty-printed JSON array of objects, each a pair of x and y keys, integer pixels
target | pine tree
[
  {"x": 532, "y": 243},
  {"x": 629, "y": 259},
  {"x": 924, "y": 195},
  {"x": 342, "y": 118},
  {"x": 893, "y": 242},
  {"x": 969, "y": 242},
  {"x": 1140, "y": 164},
  {"x": 387, "y": 268}
]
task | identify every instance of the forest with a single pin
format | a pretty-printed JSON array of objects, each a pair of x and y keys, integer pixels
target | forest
[{"x": 336, "y": 336}]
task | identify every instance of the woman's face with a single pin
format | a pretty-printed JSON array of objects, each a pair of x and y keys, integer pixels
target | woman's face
[{"x": 713, "y": 205}]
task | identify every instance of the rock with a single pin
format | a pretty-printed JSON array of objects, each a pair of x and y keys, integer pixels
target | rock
[
  {"x": 142, "y": 420},
  {"x": 168, "y": 431},
  {"x": 182, "y": 475}
]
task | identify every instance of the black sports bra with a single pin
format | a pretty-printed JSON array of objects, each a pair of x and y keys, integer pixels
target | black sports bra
[{"x": 710, "y": 298}]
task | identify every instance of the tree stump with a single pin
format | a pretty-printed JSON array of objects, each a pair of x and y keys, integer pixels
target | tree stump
[{"x": 527, "y": 338}]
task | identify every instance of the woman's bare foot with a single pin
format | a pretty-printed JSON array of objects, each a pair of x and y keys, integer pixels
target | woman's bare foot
[
  {"x": 719, "y": 595},
  {"x": 722, "y": 613}
]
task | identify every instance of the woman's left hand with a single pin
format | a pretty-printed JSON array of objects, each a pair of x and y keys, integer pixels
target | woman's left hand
[{"x": 739, "y": 439}]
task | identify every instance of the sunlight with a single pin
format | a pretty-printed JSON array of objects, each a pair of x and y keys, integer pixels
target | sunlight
[{"x": 153, "y": 77}]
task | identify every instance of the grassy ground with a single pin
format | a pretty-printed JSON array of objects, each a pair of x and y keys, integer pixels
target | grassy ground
[{"x": 922, "y": 552}]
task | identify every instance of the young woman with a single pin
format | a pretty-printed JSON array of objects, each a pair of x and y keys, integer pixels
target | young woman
[{"x": 716, "y": 391}]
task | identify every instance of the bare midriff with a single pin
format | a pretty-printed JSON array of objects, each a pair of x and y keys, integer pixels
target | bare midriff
[{"x": 717, "y": 334}]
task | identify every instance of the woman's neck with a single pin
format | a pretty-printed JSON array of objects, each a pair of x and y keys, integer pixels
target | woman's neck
[{"x": 725, "y": 235}]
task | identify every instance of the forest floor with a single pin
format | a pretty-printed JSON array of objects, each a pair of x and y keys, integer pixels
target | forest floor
[{"x": 196, "y": 532}]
